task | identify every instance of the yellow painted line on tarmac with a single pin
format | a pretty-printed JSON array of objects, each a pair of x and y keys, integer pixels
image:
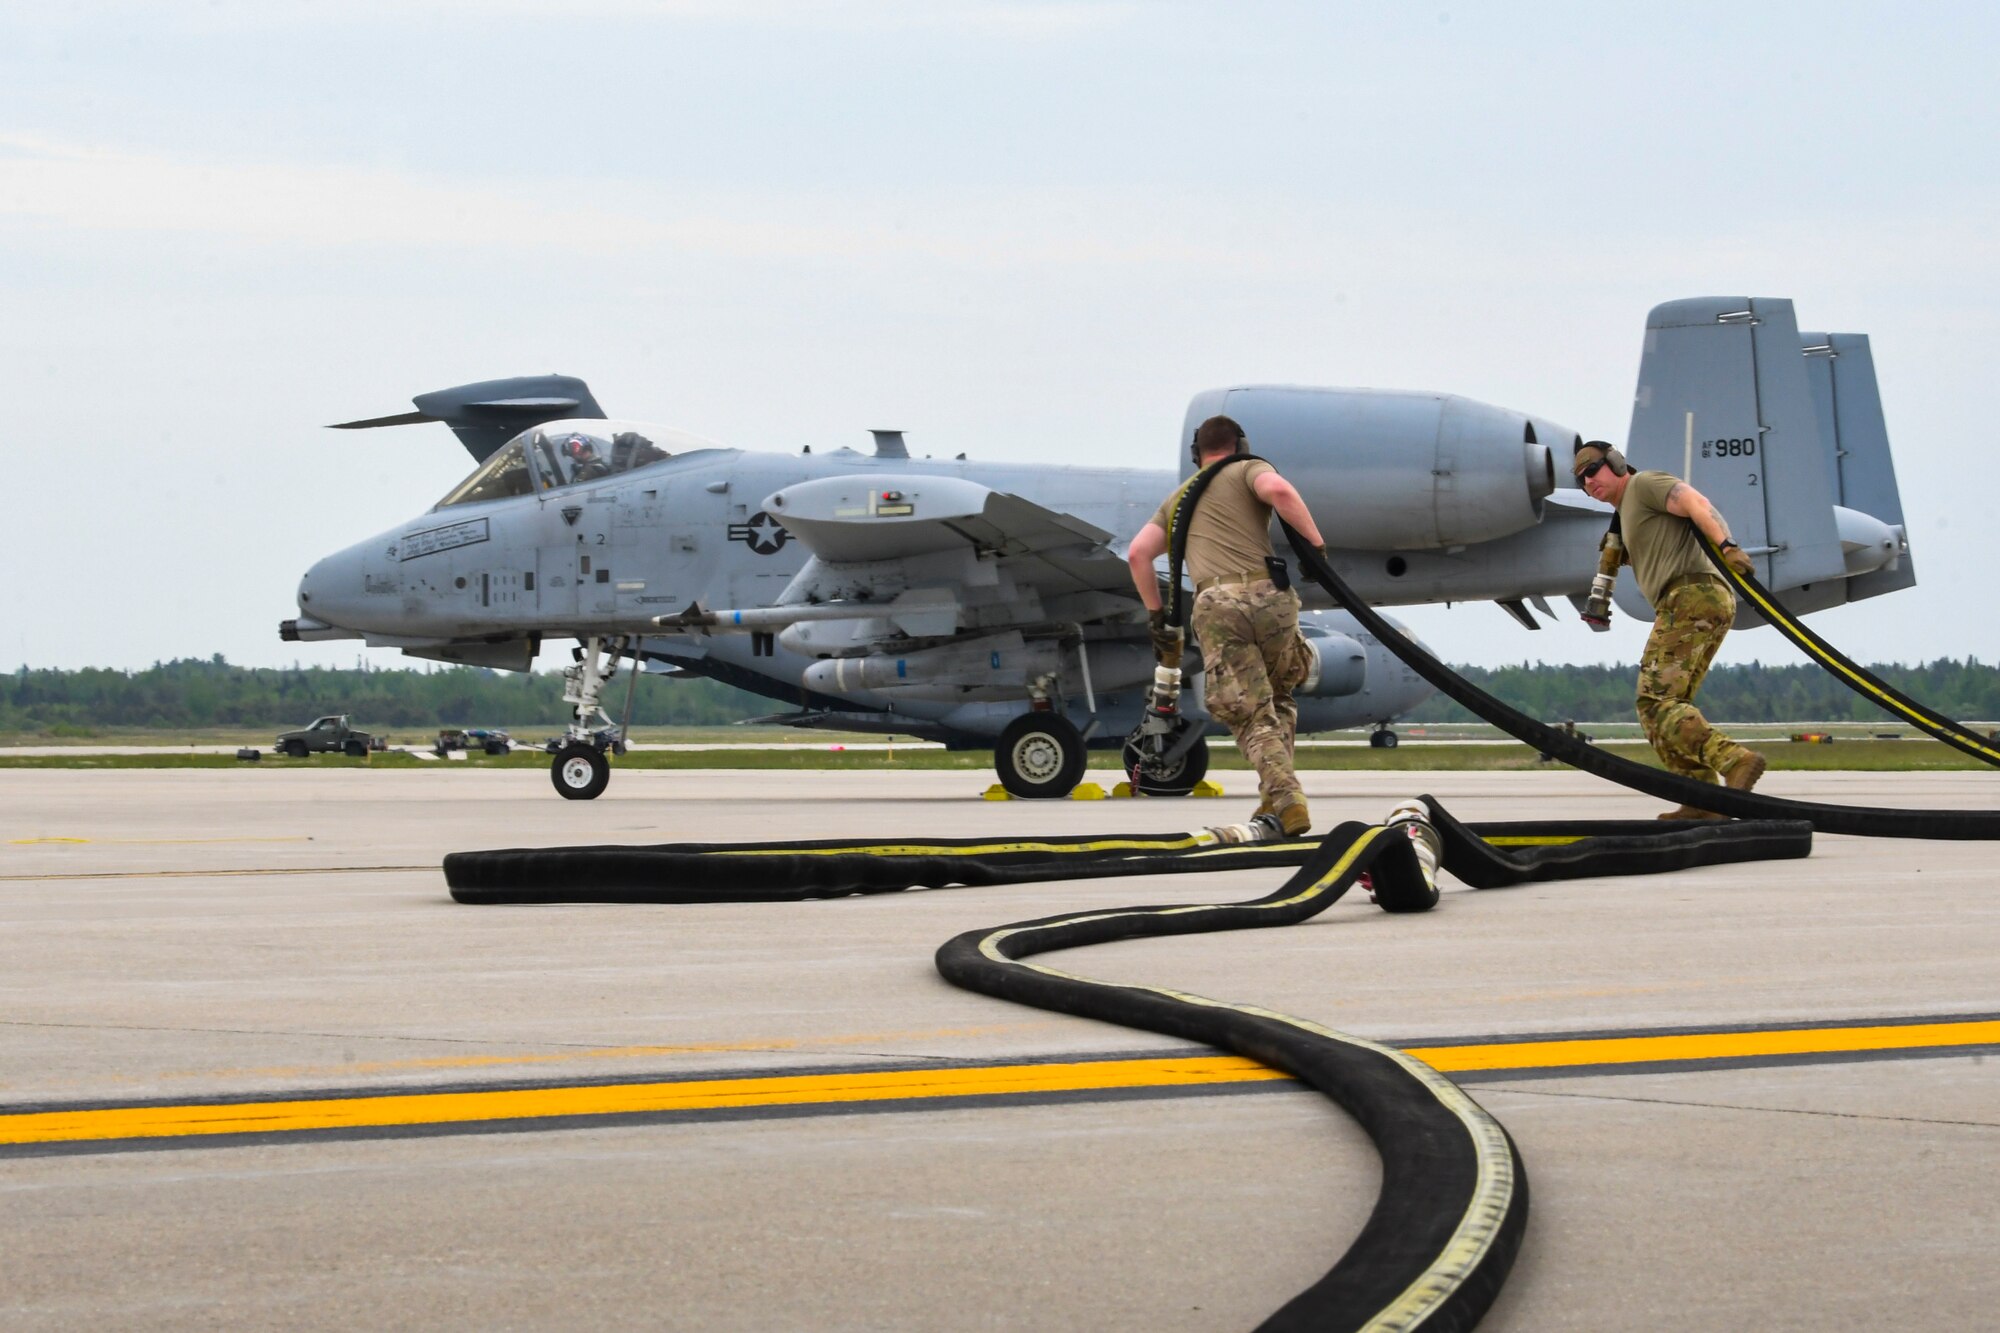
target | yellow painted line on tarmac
[
  {"x": 1706, "y": 1046},
  {"x": 620, "y": 1099},
  {"x": 939, "y": 1084}
]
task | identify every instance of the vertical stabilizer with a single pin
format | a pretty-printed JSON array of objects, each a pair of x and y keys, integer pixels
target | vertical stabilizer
[{"x": 1724, "y": 402}]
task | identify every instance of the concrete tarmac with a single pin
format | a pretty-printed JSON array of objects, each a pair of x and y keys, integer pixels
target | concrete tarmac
[{"x": 195, "y": 935}]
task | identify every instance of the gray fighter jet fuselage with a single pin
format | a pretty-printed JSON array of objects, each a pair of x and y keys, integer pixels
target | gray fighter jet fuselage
[
  {"x": 985, "y": 603},
  {"x": 481, "y": 580}
]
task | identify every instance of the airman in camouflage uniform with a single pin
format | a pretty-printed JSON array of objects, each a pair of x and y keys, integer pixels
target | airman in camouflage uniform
[
  {"x": 1247, "y": 625},
  {"x": 1688, "y": 627},
  {"x": 1658, "y": 529},
  {"x": 1254, "y": 659}
]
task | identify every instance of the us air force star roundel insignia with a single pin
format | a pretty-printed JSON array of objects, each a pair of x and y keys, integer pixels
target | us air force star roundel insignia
[{"x": 762, "y": 534}]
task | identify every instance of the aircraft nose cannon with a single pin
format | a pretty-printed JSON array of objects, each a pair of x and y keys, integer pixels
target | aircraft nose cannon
[
  {"x": 332, "y": 600},
  {"x": 305, "y": 629}
]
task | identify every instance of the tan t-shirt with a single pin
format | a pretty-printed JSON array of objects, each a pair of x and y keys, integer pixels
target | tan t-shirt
[
  {"x": 1231, "y": 529},
  {"x": 1663, "y": 546}
]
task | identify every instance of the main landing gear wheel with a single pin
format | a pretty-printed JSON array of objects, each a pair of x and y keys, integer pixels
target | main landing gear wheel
[
  {"x": 580, "y": 772},
  {"x": 1040, "y": 757},
  {"x": 1191, "y": 768},
  {"x": 1383, "y": 739}
]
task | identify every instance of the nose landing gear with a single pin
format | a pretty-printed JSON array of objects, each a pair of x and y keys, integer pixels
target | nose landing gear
[{"x": 581, "y": 769}]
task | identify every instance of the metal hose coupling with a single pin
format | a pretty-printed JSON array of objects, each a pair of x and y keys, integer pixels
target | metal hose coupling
[{"x": 1413, "y": 820}]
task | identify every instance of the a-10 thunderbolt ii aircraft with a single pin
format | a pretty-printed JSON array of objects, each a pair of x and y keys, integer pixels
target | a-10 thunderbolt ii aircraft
[{"x": 984, "y": 603}]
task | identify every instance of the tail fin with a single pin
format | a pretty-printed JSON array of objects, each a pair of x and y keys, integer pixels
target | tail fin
[
  {"x": 1841, "y": 369},
  {"x": 486, "y": 415},
  {"x": 1732, "y": 399}
]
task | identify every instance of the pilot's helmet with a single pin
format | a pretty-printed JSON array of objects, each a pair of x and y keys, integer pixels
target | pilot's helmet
[{"x": 580, "y": 449}]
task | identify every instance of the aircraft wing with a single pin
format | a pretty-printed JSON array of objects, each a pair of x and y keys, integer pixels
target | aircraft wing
[{"x": 871, "y": 519}]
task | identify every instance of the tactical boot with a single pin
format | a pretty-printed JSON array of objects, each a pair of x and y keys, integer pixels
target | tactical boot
[
  {"x": 1294, "y": 818},
  {"x": 1743, "y": 774},
  {"x": 1692, "y": 812}
]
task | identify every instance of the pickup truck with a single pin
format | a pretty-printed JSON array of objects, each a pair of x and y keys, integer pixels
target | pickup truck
[{"x": 328, "y": 735}]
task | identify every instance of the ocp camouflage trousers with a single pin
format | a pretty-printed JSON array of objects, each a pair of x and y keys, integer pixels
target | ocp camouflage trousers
[
  {"x": 1688, "y": 627},
  {"x": 1254, "y": 659}
]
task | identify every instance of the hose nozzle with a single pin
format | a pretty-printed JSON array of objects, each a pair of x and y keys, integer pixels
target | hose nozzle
[{"x": 1413, "y": 819}]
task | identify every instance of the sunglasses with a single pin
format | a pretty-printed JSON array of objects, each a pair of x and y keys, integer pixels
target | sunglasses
[{"x": 1590, "y": 469}]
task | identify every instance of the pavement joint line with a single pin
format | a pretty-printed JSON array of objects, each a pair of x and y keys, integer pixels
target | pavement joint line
[
  {"x": 1731, "y": 1106},
  {"x": 551, "y": 1105}
]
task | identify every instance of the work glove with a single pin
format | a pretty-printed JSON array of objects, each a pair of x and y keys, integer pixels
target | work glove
[
  {"x": 1167, "y": 639},
  {"x": 1732, "y": 555},
  {"x": 1597, "y": 607}
]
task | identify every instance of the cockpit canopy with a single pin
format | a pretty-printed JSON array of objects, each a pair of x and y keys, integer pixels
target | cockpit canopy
[{"x": 570, "y": 453}]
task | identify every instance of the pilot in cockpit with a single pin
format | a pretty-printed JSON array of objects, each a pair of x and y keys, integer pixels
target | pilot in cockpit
[{"x": 585, "y": 464}]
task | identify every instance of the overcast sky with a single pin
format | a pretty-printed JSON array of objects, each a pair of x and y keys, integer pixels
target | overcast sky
[{"x": 1019, "y": 230}]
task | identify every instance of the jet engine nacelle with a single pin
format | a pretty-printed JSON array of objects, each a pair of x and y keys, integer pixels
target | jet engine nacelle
[
  {"x": 1387, "y": 470},
  {"x": 1339, "y": 667}
]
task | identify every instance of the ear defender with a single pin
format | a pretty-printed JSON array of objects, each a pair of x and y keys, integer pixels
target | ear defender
[
  {"x": 1217, "y": 431},
  {"x": 1619, "y": 467}
]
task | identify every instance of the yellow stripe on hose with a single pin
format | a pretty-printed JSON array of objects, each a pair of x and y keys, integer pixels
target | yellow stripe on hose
[
  {"x": 983, "y": 849},
  {"x": 1777, "y": 615},
  {"x": 1182, "y": 843},
  {"x": 1494, "y": 1187}
]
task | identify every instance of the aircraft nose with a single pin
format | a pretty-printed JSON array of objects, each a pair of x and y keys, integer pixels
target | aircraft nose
[{"x": 331, "y": 591}]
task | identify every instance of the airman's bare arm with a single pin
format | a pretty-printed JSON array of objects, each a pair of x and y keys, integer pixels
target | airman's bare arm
[
  {"x": 1684, "y": 501},
  {"x": 1282, "y": 496},
  {"x": 1148, "y": 546}
]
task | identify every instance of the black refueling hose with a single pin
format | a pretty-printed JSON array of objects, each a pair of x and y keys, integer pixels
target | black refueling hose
[
  {"x": 1454, "y": 1199},
  {"x": 1844, "y": 669},
  {"x": 1453, "y": 1203},
  {"x": 1866, "y": 821}
]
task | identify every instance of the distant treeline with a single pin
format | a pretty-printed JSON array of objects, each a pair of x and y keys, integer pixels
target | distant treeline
[
  {"x": 1964, "y": 690},
  {"x": 213, "y": 693}
]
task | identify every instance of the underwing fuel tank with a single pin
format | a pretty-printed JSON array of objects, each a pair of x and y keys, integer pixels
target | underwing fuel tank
[
  {"x": 995, "y": 666},
  {"x": 1386, "y": 470}
]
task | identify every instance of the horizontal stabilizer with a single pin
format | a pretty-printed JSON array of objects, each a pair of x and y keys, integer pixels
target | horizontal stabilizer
[
  {"x": 486, "y": 415},
  {"x": 400, "y": 419}
]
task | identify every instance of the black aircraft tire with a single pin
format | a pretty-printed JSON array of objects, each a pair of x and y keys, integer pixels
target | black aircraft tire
[
  {"x": 1192, "y": 768},
  {"x": 580, "y": 772},
  {"x": 1040, "y": 757},
  {"x": 1383, "y": 740}
]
